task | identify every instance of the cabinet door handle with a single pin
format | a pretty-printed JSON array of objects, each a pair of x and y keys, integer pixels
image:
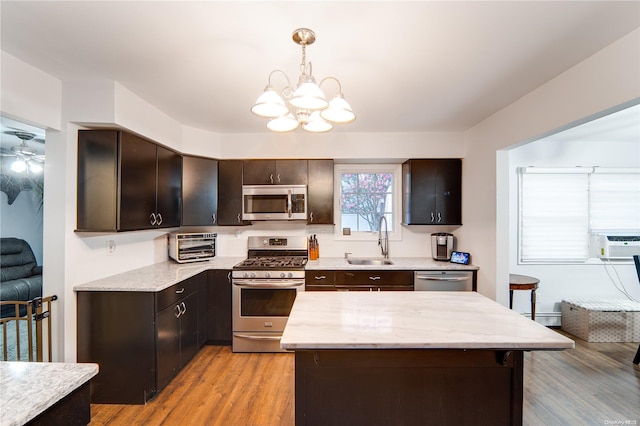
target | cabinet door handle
[
  {"x": 239, "y": 220},
  {"x": 278, "y": 177},
  {"x": 439, "y": 217},
  {"x": 311, "y": 217},
  {"x": 152, "y": 219},
  {"x": 177, "y": 313},
  {"x": 229, "y": 276},
  {"x": 180, "y": 291},
  {"x": 183, "y": 309},
  {"x": 159, "y": 219},
  {"x": 432, "y": 218},
  {"x": 374, "y": 278},
  {"x": 321, "y": 277},
  {"x": 213, "y": 218},
  {"x": 271, "y": 178}
]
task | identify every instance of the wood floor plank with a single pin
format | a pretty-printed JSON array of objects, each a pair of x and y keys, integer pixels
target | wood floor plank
[{"x": 592, "y": 384}]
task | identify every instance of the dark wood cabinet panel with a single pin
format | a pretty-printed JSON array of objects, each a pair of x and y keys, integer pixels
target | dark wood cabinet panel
[
  {"x": 168, "y": 187},
  {"x": 117, "y": 331},
  {"x": 275, "y": 172},
  {"x": 141, "y": 340},
  {"x": 408, "y": 387},
  {"x": 219, "y": 328},
  {"x": 168, "y": 345},
  {"x": 363, "y": 280},
  {"x": 137, "y": 182},
  {"x": 230, "y": 192},
  {"x": 320, "y": 192},
  {"x": 97, "y": 199},
  {"x": 319, "y": 280},
  {"x": 199, "y": 191},
  {"x": 126, "y": 182},
  {"x": 432, "y": 192}
]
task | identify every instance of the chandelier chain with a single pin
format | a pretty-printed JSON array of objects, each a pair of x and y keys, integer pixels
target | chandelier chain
[{"x": 303, "y": 64}]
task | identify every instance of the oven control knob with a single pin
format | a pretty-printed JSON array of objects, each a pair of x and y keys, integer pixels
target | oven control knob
[
  {"x": 267, "y": 275},
  {"x": 245, "y": 275},
  {"x": 253, "y": 275},
  {"x": 282, "y": 274},
  {"x": 290, "y": 275}
]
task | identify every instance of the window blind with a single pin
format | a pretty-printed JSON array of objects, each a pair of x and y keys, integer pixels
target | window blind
[
  {"x": 614, "y": 202},
  {"x": 553, "y": 216}
]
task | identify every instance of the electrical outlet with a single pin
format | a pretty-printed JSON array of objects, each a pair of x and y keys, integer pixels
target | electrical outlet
[{"x": 111, "y": 247}]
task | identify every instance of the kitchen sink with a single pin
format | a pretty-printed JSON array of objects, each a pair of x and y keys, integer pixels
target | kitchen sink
[{"x": 361, "y": 261}]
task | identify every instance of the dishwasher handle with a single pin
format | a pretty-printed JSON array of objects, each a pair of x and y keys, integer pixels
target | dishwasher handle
[{"x": 441, "y": 278}]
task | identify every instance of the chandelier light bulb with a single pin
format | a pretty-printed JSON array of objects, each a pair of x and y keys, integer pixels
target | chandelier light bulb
[
  {"x": 284, "y": 123},
  {"x": 316, "y": 124},
  {"x": 309, "y": 96},
  {"x": 339, "y": 111},
  {"x": 269, "y": 104}
]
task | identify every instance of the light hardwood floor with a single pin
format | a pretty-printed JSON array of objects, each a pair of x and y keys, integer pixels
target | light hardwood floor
[{"x": 594, "y": 384}]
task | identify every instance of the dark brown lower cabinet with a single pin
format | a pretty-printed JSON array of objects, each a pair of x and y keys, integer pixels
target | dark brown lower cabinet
[
  {"x": 364, "y": 280},
  {"x": 408, "y": 387},
  {"x": 219, "y": 330},
  {"x": 140, "y": 340},
  {"x": 177, "y": 337}
]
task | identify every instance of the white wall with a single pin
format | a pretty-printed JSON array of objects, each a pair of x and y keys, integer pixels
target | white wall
[
  {"x": 602, "y": 81},
  {"x": 558, "y": 282}
]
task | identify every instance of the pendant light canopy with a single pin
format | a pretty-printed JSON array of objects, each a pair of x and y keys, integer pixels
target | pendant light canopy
[{"x": 305, "y": 107}]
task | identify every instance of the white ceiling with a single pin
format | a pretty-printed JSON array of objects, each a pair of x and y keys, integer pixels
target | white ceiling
[{"x": 404, "y": 66}]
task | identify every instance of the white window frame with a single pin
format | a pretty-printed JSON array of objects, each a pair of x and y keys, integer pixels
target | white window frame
[{"x": 396, "y": 171}]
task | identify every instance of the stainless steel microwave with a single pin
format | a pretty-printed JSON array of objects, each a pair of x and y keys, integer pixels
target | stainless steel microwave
[{"x": 274, "y": 202}]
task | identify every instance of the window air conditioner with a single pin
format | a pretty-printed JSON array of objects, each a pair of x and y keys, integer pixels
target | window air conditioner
[{"x": 617, "y": 247}]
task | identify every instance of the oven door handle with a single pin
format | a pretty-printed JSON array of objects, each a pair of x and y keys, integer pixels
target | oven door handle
[
  {"x": 269, "y": 284},
  {"x": 254, "y": 337}
]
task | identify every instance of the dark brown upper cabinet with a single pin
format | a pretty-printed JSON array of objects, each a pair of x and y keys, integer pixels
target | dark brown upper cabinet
[
  {"x": 126, "y": 182},
  {"x": 199, "y": 191},
  {"x": 320, "y": 192},
  {"x": 275, "y": 172},
  {"x": 432, "y": 192},
  {"x": 230, "y": 192}
]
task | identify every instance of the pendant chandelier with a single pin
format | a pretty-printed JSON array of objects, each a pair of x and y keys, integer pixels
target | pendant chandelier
[{"x": 306, "y": 106}]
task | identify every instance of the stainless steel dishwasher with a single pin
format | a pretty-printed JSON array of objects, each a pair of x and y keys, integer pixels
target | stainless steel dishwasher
[{"x": 443, "y": 280}]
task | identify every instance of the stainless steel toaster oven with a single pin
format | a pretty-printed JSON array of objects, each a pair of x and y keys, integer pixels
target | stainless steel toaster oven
[{"x": 191, "y": 247}]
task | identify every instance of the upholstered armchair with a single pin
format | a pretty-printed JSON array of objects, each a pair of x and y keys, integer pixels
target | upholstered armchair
[{"x": 20, "y": 276}]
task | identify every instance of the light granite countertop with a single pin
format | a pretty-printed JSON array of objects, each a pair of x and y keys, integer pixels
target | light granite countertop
[
  {"x": 411, "y": 320},
  {"x": 158, "y": 276},
  {"x": 162, "y": 275},
  {"x": 27, "y": 389},
  {"x": 399, "y": 263}
]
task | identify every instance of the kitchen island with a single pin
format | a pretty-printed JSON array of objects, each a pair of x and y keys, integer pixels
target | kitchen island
[
  {"x": 45, "y": 393},
  {"x": 410, "y": 358}
]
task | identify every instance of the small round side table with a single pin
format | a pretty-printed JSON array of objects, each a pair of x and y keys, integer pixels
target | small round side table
[{"x": 524, "y": 282}]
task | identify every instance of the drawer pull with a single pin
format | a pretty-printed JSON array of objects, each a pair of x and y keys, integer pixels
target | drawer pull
[
  {"x": 321, "y": 277},
  {"x": 374, "y": 278},
  {"x": 180, "y": 291}
]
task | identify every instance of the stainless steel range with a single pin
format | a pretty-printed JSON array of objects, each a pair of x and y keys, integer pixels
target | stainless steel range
[{"x": 264, "y": 288}]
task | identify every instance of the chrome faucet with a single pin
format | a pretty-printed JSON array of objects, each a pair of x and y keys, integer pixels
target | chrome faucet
[{"x": 383, "y": 242}]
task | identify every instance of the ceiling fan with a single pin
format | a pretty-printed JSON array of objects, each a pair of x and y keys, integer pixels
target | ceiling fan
[{"x": 26, "y": 158}]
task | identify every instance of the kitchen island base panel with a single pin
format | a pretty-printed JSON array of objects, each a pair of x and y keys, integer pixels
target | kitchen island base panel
[
  {"x": 73, "y": 409},
  {"x": 409, "y": 387}
]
